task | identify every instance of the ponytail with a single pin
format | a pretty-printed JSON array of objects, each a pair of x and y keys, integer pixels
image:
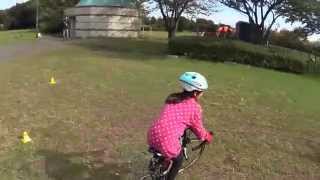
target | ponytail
[{"x": 179, "y": 97}]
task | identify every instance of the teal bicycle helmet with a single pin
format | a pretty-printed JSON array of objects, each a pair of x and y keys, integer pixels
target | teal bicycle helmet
[{"x": 193, "y": 81}]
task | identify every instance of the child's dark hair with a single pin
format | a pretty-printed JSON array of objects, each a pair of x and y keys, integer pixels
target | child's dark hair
[{"x": 179, "y": 97}]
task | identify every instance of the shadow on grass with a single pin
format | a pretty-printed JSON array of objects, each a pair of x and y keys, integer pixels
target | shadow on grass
[
  {"x": 83, "y": 166},
  {"x": 138, "y": 49}
]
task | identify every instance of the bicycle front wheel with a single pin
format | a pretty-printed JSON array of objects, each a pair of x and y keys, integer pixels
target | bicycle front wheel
[{"x": 194, "y": 150}]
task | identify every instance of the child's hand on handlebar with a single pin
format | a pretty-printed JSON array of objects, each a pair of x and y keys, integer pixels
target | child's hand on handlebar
[{"x": 209, "y": 137}]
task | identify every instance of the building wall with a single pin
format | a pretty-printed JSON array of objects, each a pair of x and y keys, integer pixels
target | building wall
[
  {"x": 104, "y": 21},
  {"x": 96, "y": 33}
]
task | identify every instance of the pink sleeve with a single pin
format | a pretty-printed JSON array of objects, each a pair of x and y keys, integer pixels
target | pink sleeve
[{"x": 197, "y": 125}]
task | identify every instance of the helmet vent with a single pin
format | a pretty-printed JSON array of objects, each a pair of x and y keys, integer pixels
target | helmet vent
[{"x": 193, "y": 77}]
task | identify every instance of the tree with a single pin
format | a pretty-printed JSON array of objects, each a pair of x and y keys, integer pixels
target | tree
[
  {"x": 172, "y": 10},
  {"x": 23, "y": 15},
  {"x": 307, "y": 12},
  {"x": 2, "y": 16},
  {"x": 52, "y": 13},
  {"x": 153, "y": 20},
  {"x": 204, "y": 25},
  {"x": 258, "y": 12},
  {"x": 316, "y": 47},
  {"x": 182, "y": 24},
  {"x": 20, "y": 16},
  {"x": 295, "y": 39},
  {"x": 186, "y": 24}
]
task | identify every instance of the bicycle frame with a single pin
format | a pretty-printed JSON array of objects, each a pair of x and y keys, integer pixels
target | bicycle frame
[{"x": 157, "y": 159}]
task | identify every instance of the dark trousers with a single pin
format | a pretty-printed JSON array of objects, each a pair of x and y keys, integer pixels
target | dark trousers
[{"x": 177, "y": 163}]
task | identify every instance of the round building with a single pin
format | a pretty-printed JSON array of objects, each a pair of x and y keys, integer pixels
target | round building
[{"x": 103, "y": 18}]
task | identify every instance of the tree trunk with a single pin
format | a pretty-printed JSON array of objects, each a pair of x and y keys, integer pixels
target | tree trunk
[
  {"x": 267, "y": 32},
  {"x": 172, "y": 33},
  {"x": 173, "y": 30},
  {"x": 266, "y": 36}
]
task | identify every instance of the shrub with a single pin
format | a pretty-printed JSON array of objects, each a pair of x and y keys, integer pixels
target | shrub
[
  {"x": 222, "y": 50},
  {"x": 295, "y": 39}
]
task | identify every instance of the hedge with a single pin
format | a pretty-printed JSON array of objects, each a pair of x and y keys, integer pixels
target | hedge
[{"x": 226, "y": 50}]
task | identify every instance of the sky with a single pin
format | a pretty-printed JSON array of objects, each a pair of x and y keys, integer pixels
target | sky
[{"x": 224, "y": 15}]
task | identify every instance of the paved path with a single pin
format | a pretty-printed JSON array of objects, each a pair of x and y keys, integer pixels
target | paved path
[{"x": 19, "y": 50}]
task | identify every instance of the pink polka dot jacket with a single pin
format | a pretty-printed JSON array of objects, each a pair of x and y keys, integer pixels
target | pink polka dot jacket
[{"x": 165, "y": 132}]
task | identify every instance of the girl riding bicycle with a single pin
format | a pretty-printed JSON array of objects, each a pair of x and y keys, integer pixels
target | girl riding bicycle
[{"x": 181, "y": 111}]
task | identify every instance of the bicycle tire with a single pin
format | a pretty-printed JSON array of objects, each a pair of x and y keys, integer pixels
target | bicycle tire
[
  {"x": 195, "y": 149},
  {"x": 158, "y": 172},
  {"x": 148, "y": 177}
]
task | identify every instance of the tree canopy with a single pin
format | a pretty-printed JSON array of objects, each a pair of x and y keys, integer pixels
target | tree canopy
[
  {"x": 306, "y": 12},
  {"x": 2, "y": 17},
  {"x": 24, "y": 15},
  {"x": 172, "y": 10},
  {"x": 20, "y": 16}
]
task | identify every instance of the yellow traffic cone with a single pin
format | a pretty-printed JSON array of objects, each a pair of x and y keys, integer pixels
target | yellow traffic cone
[
  {"x": 52, "y": 81},
  {"x": 25, "y": 138}
]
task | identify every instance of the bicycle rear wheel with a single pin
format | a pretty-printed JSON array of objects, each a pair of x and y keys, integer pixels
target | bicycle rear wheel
[
  {"x": 157, "y": 170},
  {"x": 194, "y": 150},
  {"x": 153, "y": 177}
]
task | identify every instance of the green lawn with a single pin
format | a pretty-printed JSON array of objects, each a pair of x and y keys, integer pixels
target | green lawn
[
  {"x": 163, "y": 34},
  {"x": 92, "y": 125},
  {"x": 16, "y": 36}
]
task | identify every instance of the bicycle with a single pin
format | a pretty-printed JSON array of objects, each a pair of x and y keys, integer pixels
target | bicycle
[{"x": 157, "y": 167}]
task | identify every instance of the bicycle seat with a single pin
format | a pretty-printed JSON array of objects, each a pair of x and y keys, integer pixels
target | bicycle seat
[{"x": 155, "y": 153}]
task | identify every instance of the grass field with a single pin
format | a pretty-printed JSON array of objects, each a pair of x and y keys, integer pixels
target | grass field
[
  {"x": 17, "y": 36},
  {"x": 92, "y": 125},
  {"x": 163, "y": 35}
]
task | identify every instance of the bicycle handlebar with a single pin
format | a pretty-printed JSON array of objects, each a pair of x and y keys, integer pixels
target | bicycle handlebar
[{"x": 200, "y": 145}]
